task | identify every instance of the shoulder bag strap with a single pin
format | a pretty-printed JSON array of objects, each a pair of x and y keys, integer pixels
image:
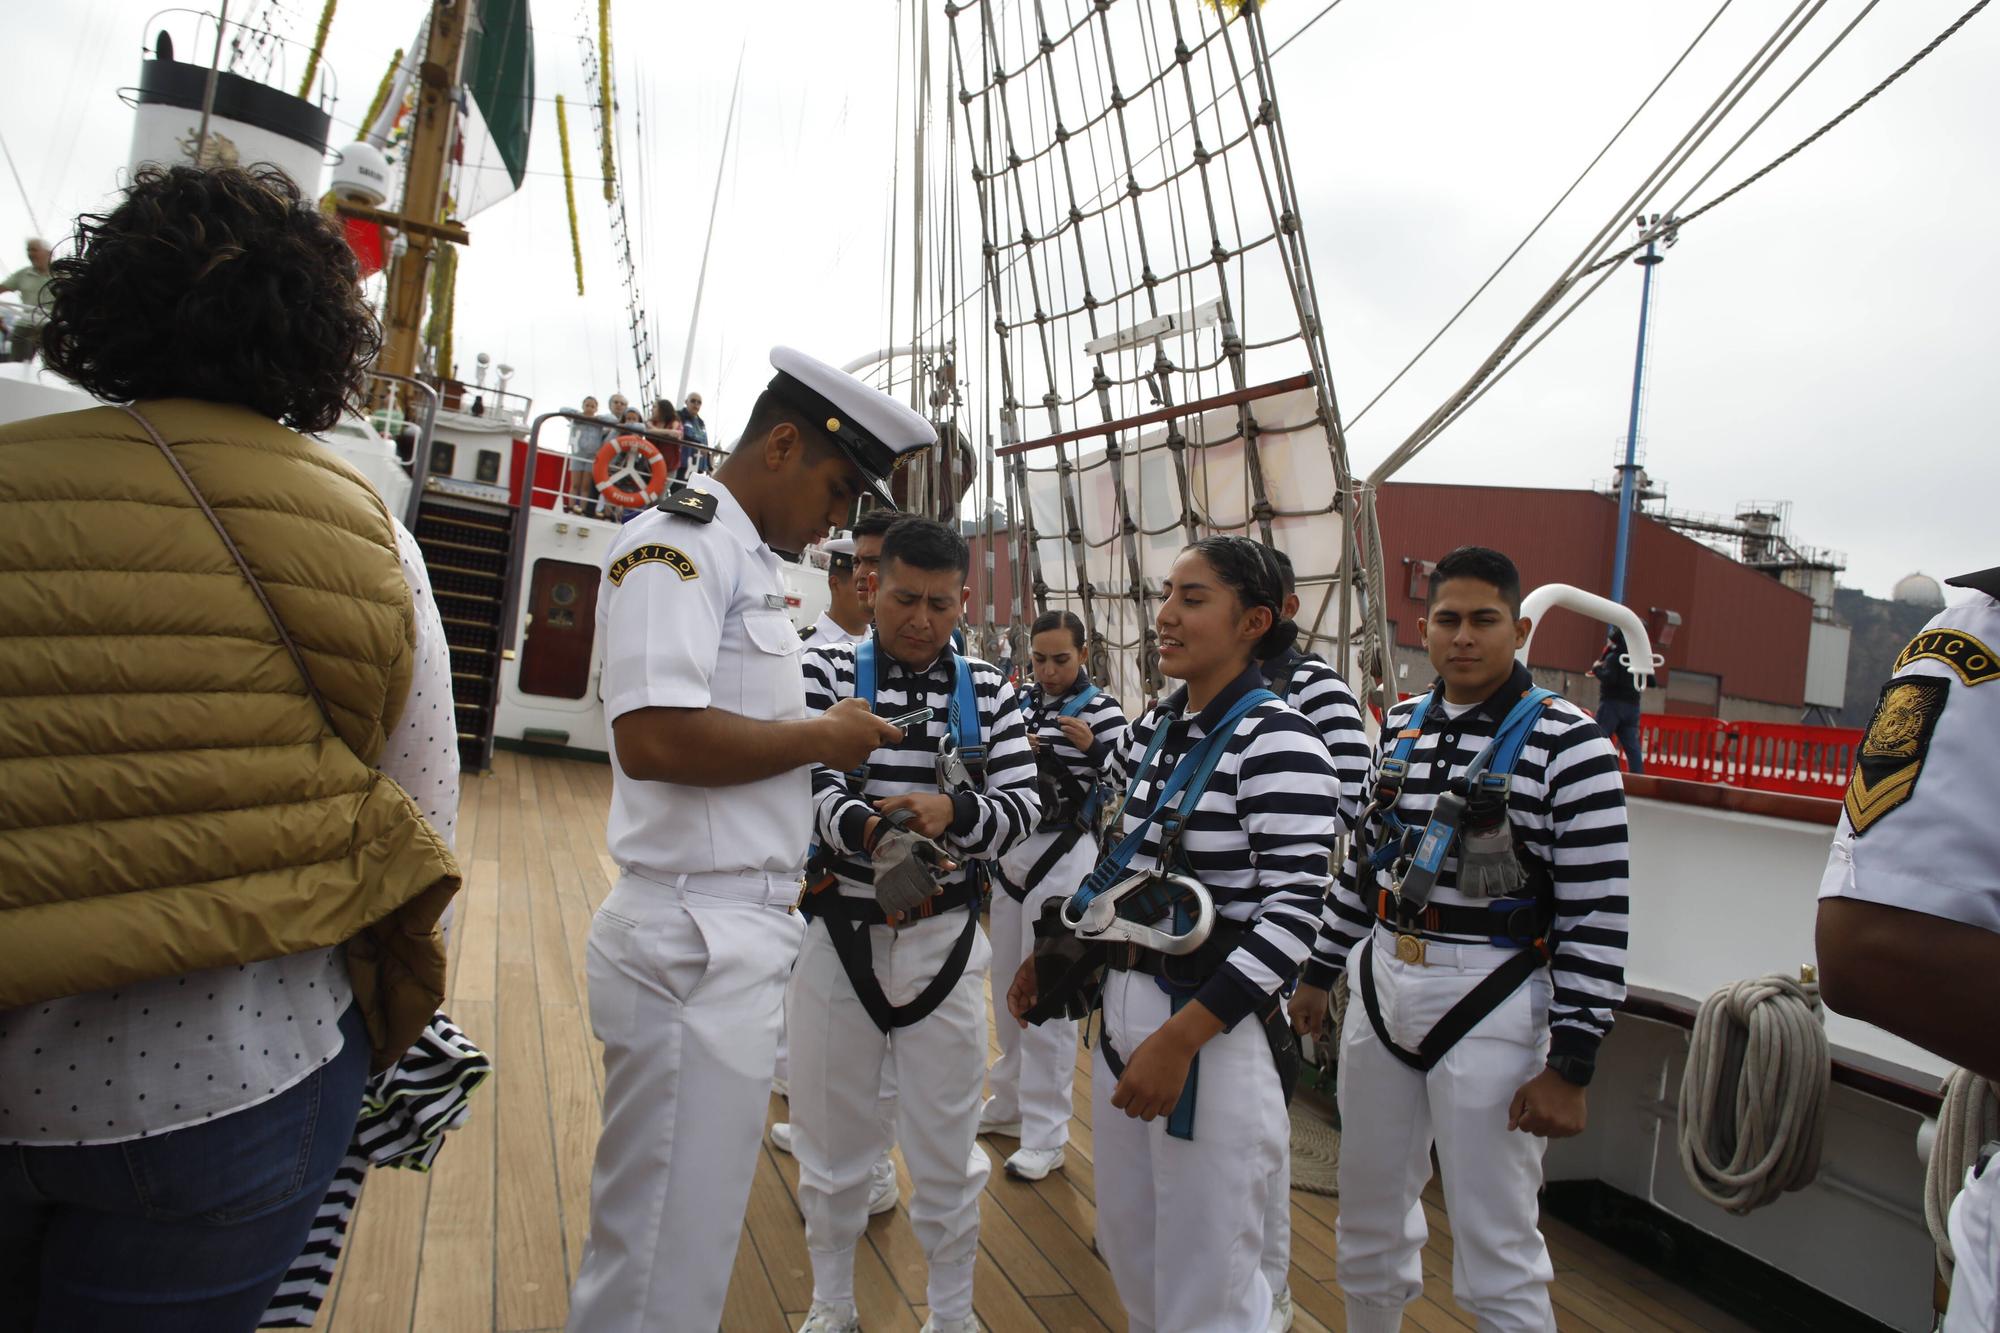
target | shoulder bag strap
[{"x": 201, "y": 501}]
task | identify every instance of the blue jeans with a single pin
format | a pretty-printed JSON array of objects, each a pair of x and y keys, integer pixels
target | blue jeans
[
  {"x": 1619, "y": 719},
  {"x": 185, "y": 1232}
]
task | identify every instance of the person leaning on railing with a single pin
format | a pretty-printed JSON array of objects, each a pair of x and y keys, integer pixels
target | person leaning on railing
[{"x": 225, "y": 706}]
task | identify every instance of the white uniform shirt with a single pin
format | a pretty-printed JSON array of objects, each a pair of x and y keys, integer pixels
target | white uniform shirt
[
  {"x": 692, "y": 615},
  {"x": 160, "y": 1055},
  {"x": 827, "y": 631},
  {"x": 1918, "y": 831}
]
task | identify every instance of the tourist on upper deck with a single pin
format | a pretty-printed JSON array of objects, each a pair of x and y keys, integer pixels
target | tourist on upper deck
[
  {"x": 585, "y": 439},
  {"x": 30, "y": 284},
  {"x": 667, "y": 421},
  {"x": 696, "y": 430},
  {"x": 226, "y": 694}
]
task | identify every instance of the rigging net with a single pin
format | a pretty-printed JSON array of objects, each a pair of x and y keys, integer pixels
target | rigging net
[
  {"x": 603, "y": 113},
  {"x": 1157, "y": 367}
]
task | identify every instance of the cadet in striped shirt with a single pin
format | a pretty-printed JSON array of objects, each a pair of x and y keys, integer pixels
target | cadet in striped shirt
[
  {"x": 864, "y": 991},
  {"x": 1517, "y": 1077},
  {"x": 1072, "y": 725},
  {"x": 1308, "y": 684},
  {"x": 1180, "y": 1221}
]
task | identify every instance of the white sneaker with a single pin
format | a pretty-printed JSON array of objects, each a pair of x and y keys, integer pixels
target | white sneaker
[
  {"x": 781, "y": 1137},
  {"x": 1034, "y": 1163},
  {"x": 990, "y": 1122},
  {"x": 1281, "y": 1312},
  {"x": 882, "y": 1192},
  {"x": 831, "y": 1317},
  {"x": 976, "y": 1165},
  {"x": 969, "y": 1324},
  {"x": 783, "y": 1087}
]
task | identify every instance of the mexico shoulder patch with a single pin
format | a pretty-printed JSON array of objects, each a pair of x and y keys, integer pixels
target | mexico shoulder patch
[
  {"x": 1974, "y": 662},
  {"x": 1893, "y": 752},
  {"x": 652, "y": 553}
]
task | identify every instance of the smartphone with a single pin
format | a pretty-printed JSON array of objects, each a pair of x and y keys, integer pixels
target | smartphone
[{"x": 912, "y": 718}]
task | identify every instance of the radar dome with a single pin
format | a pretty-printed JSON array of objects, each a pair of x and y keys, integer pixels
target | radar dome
[
  {"x": 361, "y": 176},
  {"x": 1919, "y": 590}
]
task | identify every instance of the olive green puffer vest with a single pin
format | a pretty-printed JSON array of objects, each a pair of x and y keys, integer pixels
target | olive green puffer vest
[{"x": 171, "y": 799}]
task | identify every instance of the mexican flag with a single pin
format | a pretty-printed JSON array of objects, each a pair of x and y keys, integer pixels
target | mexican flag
[{"x": 496, "y": 105}]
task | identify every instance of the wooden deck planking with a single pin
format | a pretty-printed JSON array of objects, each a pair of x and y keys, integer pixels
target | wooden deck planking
[{"x": 491, "y": 1238}]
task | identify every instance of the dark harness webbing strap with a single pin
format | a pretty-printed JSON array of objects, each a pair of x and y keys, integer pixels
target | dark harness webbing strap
[
  {"x": 849, "y": 931},
  {"x": 1460, "y": 1019}
]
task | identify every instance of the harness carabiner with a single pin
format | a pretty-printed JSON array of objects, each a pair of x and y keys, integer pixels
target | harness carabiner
[{"x": 1100, "y": 922}]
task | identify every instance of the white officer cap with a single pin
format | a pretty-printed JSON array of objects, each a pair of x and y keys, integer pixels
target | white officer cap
[
  {"x": 877, "y": 433},
  {"x": 839, "y": 546}
]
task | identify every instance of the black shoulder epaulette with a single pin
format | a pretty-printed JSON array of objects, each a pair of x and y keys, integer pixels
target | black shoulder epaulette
[{"x": 690, "y": 503}]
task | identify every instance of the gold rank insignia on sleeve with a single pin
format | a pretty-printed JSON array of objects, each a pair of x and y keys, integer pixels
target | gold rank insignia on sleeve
[
  {"x": 1892, "y": 753},
  {"x": 1974, "y": 662},
  {"x": 652, "y": 554}
]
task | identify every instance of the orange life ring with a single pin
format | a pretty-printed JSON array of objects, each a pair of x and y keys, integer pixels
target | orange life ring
[{"x": 623, "y": 458}]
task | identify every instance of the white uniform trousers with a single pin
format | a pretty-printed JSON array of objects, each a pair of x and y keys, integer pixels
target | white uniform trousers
[
  {"x": 838, "y": 1055},
  {"x": 1181, "y": 1222},
  {"x": 1974, "y": 1227},
  {"x": 1390, "y": 1115},
  {"x": 1036, "y": 1074},
  {"x": 1277, "y": 1260},
  {"x": 686, "y": 982}
]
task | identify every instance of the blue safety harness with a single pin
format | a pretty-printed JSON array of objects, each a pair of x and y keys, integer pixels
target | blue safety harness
[
  {"x": 1183, "y": 788},
  {"x": 963, "y": 714},
  {"x": 1490, "y": 774}
]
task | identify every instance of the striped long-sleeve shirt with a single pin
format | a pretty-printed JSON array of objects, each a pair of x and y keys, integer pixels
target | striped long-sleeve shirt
[
  {"x": 1259, "y": 840},
  {"x": 986, "y": 822},
  {"x": 1308, "y": 684},
  {"x": 1102, "y": 715},
  {"x": 1567, "y": 809}
]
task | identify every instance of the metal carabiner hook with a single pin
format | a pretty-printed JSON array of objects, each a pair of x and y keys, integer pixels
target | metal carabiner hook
[
  {"x": 952, "y": 774},
  {"x": 1099, "y": 920}
]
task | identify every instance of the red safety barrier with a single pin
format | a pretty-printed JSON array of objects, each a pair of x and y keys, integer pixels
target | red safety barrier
[
  {"x": 1807, "y": 761},
  {"x": 1758, "y": 756},
  {"x": 1688, "y": 748}
]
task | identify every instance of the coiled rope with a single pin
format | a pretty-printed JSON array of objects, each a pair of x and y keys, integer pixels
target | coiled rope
[
  {"x": 1967, "y": 1121},
  {"x": 1753, "y": 1095}
]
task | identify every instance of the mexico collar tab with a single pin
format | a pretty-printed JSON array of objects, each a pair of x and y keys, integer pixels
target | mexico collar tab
[{"x": 877, "y": 433}]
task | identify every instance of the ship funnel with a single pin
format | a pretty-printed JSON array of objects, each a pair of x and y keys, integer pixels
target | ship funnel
[{"x": 250, "y": 123}]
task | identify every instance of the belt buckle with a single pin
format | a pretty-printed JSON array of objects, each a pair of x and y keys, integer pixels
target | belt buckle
[{"x": 1410, "y": 949}]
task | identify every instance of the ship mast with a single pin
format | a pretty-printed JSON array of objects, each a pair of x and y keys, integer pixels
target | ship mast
[{"x": 422, "y": 219}]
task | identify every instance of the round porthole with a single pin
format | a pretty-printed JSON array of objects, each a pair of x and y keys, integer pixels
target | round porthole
[{"x": 562, "y": 594}]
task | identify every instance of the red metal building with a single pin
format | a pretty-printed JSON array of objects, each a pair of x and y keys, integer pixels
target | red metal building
[{"x": 1743, "y": 635}]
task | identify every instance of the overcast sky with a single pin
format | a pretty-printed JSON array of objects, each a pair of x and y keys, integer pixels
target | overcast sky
[{"x": 1823, "y": 338}]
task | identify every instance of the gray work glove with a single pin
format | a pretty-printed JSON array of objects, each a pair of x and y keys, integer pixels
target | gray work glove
[
  {"x": 905, "y": 865},
  {"x": 1487, "y": 865}
]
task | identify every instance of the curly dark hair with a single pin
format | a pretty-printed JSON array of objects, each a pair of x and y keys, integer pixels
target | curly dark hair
[{"x": 213, "y": 283}]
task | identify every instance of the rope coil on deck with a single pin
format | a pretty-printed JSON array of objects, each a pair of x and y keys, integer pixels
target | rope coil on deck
[
  {"x": 1753, "y": 1094},
  {"x": 1968, "y": 1119}
]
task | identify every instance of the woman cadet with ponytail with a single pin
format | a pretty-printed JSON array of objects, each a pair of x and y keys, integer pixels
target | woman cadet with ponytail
[{"x": 1186, "y": 1147}]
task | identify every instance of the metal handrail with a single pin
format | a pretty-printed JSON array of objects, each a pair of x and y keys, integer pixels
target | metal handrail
[
  {"x": 420, "y": 462},
  {"x": 510, "y": 603}
]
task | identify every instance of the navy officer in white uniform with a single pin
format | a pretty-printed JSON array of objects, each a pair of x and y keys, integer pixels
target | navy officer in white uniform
[
  {"x": 846, "y": 616},
  {"x": 712, "y": 748},
  {"x": 1909, "y": 912}
]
